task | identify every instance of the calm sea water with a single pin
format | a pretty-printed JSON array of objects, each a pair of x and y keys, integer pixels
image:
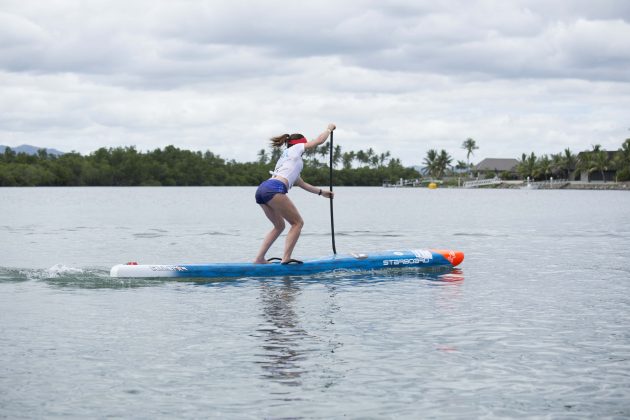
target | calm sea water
[{"x": 535, "y": 323}]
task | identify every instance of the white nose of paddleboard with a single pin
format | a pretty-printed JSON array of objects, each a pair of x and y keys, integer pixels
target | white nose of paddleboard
[{"x": 135, "y": 270}]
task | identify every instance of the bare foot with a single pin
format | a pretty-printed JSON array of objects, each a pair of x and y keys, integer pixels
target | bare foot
[{"x": 261, "y": 262}]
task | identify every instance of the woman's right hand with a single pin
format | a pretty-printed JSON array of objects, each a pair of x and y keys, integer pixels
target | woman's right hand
[
  {"x": 328, "y": 194},
  {"x": 331, "y": 127}
]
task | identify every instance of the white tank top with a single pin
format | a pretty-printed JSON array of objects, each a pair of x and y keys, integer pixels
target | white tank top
[{"x": 290, "y": 163}]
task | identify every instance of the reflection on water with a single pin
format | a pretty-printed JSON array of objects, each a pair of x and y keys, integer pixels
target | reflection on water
[
  {"x": 455, "y": 275},
  {"x": 281, "y": 333},
  {"x": 287, "y": 345}
]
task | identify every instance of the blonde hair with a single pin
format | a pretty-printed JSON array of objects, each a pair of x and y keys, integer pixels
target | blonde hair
[{"x": 283, "y": 139}]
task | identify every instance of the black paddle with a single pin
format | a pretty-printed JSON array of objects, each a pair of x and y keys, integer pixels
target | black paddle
[{"x": 332, "y": 220}]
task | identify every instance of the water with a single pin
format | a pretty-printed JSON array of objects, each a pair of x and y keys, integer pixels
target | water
[{"x": 534, "y": 324}]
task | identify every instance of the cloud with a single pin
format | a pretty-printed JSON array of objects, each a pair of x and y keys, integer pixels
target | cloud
[
  {"x": 181, "y": 43},
  {"x": 403, "y": 76}
]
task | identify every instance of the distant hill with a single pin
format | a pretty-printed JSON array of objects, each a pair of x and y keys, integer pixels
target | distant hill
[
  {"x": 31, "y": 150},
  {"x": 420, "y": 169}
]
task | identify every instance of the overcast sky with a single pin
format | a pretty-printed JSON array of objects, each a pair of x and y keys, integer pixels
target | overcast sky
[{"x": 404, "y": 76}]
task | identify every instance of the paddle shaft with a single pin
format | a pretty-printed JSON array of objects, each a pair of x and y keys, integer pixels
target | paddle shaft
[{"x": 332, "y": 219}]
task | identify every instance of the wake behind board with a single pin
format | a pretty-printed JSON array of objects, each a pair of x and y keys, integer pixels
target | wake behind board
[{"x": 352, "y": 262}]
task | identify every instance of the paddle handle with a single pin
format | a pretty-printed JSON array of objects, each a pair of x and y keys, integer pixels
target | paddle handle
[{"x": 332, "y": 219}]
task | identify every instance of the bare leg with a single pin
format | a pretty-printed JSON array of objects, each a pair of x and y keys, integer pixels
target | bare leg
[
  {"x": 270, "y": 238},
  {"x": 282, "y": 205}
]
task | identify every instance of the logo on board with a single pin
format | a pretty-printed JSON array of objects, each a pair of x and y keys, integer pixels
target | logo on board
[
  {"x": 168, "y": 268},
  {"x": 422, "y": 257}
]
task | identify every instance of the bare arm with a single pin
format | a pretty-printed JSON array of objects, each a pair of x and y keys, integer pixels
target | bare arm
[
  {"x": 315, "y": 190},
  {"x": 321, "y": 138}
]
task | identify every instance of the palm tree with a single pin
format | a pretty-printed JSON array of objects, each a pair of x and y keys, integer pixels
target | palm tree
[
  {"x": 308, "y": 153},
  {"x": 444, "y": 161},
  {"x": 624, "y": 152},
  {"x": 527, "y": 165},
  {"x": 599, "y": 162},
  {"x": 437, "y": 163},
  {"x": 382, "y": 158},
  {"x": 470, "y": 146},
  {"x": 337, "y": 155},
  {"x": 461, "y": 165},
  {"x": 595, "y": 160},
  {"x": 584, "y": 164},
  {"x": 370, "y": 156},
  {"x": 324, "y": 150},
  {"x": 347, "y": 159},
  {"x": 395, "y": 163},
  {"x": 262, "y": 157},
  {"x": 556, "y": 164},
  {"x": 569, "y": 162},
  {"x": 543, "y": 166},
  {"x": 622, "y": 161},
  {"x": 362, "y": 157},
  {"x": 622, "y": 157},
  {"x": 430, "y": 163}
]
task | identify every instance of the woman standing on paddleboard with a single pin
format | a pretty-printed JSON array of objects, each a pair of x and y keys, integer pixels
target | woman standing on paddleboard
[{"x": 272, "y": 193}]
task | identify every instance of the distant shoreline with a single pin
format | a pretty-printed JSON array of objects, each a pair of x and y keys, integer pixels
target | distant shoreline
[
  {"x": 571, "y": 185},
  {"x": 493, "y": 184}
]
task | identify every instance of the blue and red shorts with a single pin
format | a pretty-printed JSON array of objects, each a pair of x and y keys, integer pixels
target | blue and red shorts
[{"x": 268, "y": 189}]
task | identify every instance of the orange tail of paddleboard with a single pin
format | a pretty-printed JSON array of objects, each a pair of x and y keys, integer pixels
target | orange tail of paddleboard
[{"x": 454, "y": 257}]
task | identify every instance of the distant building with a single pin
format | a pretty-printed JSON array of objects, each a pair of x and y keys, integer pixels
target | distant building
[{"x": 496, "y": 166}]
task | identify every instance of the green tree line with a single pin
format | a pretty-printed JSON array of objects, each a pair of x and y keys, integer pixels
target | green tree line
[
  {"x": 565, "y": 164},
  {"x": 558, "y": 165},
  {"x": 171, "y": 166}
]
